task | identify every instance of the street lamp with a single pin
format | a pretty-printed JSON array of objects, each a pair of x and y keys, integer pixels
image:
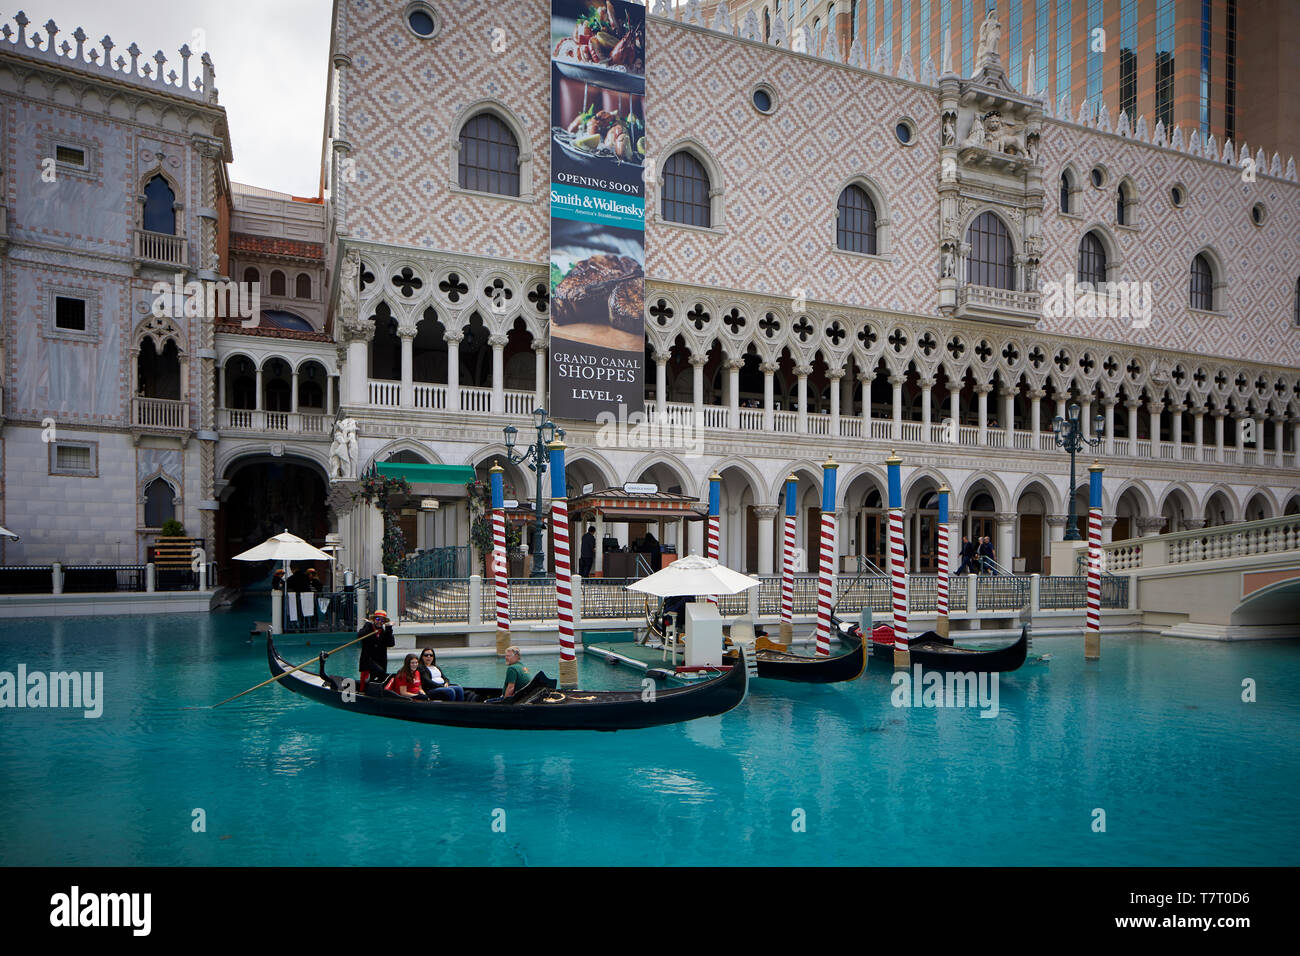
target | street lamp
[
  {"x": 1069, "y": 435},
  {"x": 537, "y": 458}
]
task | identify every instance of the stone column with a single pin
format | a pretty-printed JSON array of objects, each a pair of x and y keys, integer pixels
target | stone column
[
  {"x": 1198, "y": 430},
  {"x": 836, "y": 375},
  {"x": 766, "y": 515},
  {"x": 982, "y": 392},
  {"x": 1006, "y": 538},
  {"x": 1150, "y": 527},
  {"x": 697, "y": 388},
  {"x": 1132, "y": 406},
  {"x": 1060, "y": 408},
  {"x": 539, "y": 375},
  {"x": 221, "y": 386},
  {"x": 803, "y": 371},
  {"x": 258, "y": 399},
  {"x": 954, "y": 414},
  {"x": 1176, "y": 429},
  {"x": 733, "y": 392},
  {"x": 1241, "y": 437},
  {"x": 453, "y": 368},
  {"x": 407, "y": 339},
  {"x": 293, "y": 392},
  {"x": 1036, "y": 396},
  {"x": 498, "y": 343},
  {"x": 927, "y": 388},
  {"x": 661, "y": 386},
  {"x": 1154, "y": 409},
  {"x": 1009, "y": 415},
  {"x": 599, "y": 566},
  {"x": 769, "y": 411},
  {"x": 1218, "y": 434},
  {"x": 1277, "y": 439},
  {"x": 1295, "y": 439},
  {"x": 866, "y": 378},
  {"x": 896, "y": 430},
  {"x": 1108, "y": 528},
  {"x": 1056, "y": 526},
  {"x": 329, "y": 394},
  {"x": 1109, "y": 446},
  {"x": 1085, "y": 417}
]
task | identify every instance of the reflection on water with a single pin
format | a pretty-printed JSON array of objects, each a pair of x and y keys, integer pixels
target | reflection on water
[{"x": 1155, "y": 733}]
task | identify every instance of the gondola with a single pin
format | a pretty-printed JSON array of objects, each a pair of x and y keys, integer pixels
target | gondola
[
  {"x": 933, "y": 652},
  {"x": 776, "y": 663},
  {"x": 538, "y": 706}
]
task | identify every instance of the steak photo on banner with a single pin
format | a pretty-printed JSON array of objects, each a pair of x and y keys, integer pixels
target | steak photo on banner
[
  {"x": 606, "y": 33},
  {"x": 597, "y": 319}
]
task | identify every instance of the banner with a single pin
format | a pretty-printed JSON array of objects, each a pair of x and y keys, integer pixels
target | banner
[{"x": 598, "y": 151}]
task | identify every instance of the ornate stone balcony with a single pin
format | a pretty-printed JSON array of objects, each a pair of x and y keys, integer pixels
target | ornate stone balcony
[
  {"x": 160, "y": 249},
  {"x": 998, "y": 305}
]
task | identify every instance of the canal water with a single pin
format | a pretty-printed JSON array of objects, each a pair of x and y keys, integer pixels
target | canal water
[{"x": 1149, "y": 757}]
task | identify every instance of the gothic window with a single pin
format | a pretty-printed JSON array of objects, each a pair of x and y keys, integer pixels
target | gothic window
[
  {"x": 1067, "y": 190},
  {"x": 159, "y": 503},
  {"x": 686, "y": 191},
  {"x": 277, "y": 283},
  {"x": 303, "y": 289},
  {"x": 855, "y": 221},
  {"x": 1092, "y": 259},
  {"x": 489, "y": 156},
  {"x": 159, "y": 207},
  {"x": 1202, "y": 285},
  {"x": 990, "y": 262},
  {"x": 251, "y": 275}
]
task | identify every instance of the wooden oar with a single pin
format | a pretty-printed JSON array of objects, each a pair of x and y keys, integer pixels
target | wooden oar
[{"x": 291, "y": 670}]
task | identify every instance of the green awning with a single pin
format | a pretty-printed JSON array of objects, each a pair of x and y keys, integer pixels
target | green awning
[{"x": 427, "y": 474}]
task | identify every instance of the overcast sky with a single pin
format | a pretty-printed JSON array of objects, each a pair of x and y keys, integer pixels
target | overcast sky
[{"x": 271, "y": 58}]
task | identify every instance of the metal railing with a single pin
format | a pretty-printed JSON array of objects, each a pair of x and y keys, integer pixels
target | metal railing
[
  {"x": 448, "y": 562},
  {"x": 330, "y": 611},
  {"x": 436, "y": 600},
  {"x": 90, "y": 578},
  {"x": 1001, "y": 592},
  {"x": 1070, "y": 592},
  {"x": 26, "y": 579}
]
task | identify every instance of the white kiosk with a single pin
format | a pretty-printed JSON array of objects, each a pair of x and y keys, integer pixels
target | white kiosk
[{"x": 703, "y": 635}]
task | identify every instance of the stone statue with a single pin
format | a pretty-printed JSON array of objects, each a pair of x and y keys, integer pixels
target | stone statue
[
  {"x": 949, "y": 130},
  {"x": 947, "y": 268},
  {"x": 990, "y": 37},
  {"x": 343, "y": 452},
  {"x": 976, "y": 135}
]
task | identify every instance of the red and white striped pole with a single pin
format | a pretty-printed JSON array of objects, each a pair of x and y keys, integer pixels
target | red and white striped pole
[
  {"x": 941, "y": 586},
  {"x": 713, "y": 535},
  {"x": 500, "y": 562},
  {"x": 1092, "y": 632},
  {"x": 787, "y": 561},
  {"x": 563, "y": 565},
  {"x": 826, "y": 575},
  {"x": 897, "y": 563}
]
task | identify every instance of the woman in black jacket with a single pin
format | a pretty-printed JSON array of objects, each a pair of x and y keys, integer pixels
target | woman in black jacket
[{"x": 435, "y": 684}]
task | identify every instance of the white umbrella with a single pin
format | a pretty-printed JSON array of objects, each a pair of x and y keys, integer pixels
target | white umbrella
[
  {"x": 284, "y": 547},
  {"x": 694, "y": 575},
  {"x": 6, "y": 533}
]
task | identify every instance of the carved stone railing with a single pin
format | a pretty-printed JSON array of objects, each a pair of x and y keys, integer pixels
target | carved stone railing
[
  {"x": 1244, "y": 539},
  {"x": 998, "y": 305}
]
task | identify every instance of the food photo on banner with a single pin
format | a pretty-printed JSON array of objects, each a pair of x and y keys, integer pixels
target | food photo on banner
[{"x": 597, "y": 262}]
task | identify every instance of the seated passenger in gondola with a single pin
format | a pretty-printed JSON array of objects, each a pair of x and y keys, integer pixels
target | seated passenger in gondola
[
  {"x": 377, "y": 636},
  {"x": 406, "y": 682},
  {"x": 516, "y": 676},
  {"x": 434, "y": 682}
]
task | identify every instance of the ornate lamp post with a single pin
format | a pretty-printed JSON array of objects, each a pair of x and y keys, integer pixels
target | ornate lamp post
[
  {"x": 536, "y": 456},
  {"x": 1069, "y": 435}
]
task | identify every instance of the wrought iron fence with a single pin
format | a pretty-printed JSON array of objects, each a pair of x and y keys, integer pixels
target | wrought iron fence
[
  {"x": 26, "y": 579},
  {"x": 869, "y": 591},
  {"x": 923, "y": 593},
  {"x": 83, "y": 579},
  {"x": 448, "y": 562},
  {"x": 1001, "y": 592},
  {"x": 1068, "y": 592},
  {"x": 604, "y": 598}
]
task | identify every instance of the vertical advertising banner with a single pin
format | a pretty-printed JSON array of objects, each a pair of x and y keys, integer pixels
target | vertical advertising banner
[{"x": 598, "y": 151}]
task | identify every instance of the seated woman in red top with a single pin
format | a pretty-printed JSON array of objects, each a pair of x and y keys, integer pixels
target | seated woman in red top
[{"x": 406, "y": 681}]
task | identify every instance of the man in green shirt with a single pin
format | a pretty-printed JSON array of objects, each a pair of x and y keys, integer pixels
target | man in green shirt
[{"x": 516, "y": 673}]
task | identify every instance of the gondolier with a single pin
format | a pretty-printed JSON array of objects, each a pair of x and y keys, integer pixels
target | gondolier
[{"x": 377, "y": 636}]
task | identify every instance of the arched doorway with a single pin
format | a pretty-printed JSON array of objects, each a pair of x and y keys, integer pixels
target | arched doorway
[{"x": 264, "y": 496}]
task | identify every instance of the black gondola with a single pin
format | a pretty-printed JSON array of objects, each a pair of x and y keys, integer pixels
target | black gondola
[
  {"x": 781, "y": 665},
  {"x": 937, "y": 653},
  {"x": 538, "y": 706}
]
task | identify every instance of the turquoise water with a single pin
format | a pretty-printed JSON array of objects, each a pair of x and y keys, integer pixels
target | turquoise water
[{"x": 1156, "y": 735}]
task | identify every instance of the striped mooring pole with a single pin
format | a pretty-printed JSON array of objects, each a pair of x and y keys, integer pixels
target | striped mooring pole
[
  {"x": 500, "y": 562},
  {"x": 826, "y": 576},
  {"x": 897, "y": 564},
  {"x": 715, "y": 507},
  {"x": 787, "y": 561},
  {"x": 1092, "y": 633},
  {"x": 945, "y": 568},
  {"x": 563, "y": 565}
]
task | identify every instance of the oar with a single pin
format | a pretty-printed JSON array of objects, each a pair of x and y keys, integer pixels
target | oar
[{"x": 290, "y": 671}]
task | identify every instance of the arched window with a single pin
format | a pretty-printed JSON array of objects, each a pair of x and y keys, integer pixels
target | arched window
[
  {"x": 251, "y": 275},
  {"x": 1121, "y": 205},
  {"x": 159, "y": 207},
  {"x": 686, "y": 191},
  {"x": 1067, "y": 187},
  {"x": 767, "y": 24},
  {"x": 1202, "y": 287},
  {"x": 277, "y": 282},
  {"x": 303, "y": 290},
  {"x": 990, "y": 262},
  {"x": 1297, "y": 303},
  {"x": 1092, "y": 259},
  {"x": 855, "y": 221},
  {"x": 159, "y": 503},
  {"x": 489, "y": 156}
]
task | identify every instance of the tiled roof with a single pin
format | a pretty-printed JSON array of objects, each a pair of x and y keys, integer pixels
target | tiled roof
[
  {"x": 268, "y": 246},
  {"x": 235, "y": 327}
]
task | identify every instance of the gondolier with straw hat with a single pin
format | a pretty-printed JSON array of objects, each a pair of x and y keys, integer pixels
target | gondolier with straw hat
[{"x": 377, "y": 637}]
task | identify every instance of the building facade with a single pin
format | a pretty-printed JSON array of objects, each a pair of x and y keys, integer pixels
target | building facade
[{"x": 840, "y": 261}]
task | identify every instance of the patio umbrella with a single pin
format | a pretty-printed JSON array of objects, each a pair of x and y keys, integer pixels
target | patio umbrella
[
  {"x": 284, "y": 547},
  {"x": 694, "y": 575},
  {"x": 6, "y": 533}
]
